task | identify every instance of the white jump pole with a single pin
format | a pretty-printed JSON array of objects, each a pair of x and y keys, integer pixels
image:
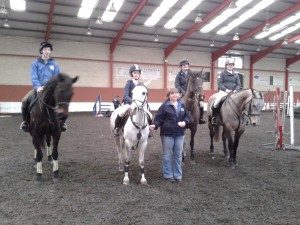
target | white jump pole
[{"x": 292, "y": 127}]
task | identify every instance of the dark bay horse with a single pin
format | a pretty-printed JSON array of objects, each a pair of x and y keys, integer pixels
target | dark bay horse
[
  {"x": 246, "y": 103},
  {"x": 50, "y": 107},
  {"x": 193, "y": 92}
]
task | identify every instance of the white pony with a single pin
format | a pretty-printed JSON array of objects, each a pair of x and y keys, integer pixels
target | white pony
[{"x": 135, "y": 133}]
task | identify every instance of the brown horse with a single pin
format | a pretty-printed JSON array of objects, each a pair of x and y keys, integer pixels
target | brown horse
[
  {"x": 234, "y": 108},
  {"x": 193, "y": 92},
  {"x": 49, "y": 109}
]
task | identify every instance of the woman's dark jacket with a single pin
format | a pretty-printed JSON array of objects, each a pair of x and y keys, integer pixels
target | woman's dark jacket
[{"x": 167, "y": 119}]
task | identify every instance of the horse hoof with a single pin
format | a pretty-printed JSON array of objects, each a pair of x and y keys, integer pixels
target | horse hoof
[
  {"x": 144, "y": 182},
  {"x": 55, "y": 180},
  {"x": 39, "y": 179},
  {"x": 126, "y": 182}
]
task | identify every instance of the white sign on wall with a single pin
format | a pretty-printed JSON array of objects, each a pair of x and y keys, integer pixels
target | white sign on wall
[
  {"x": 261, "y": 80},
  {"x": 147, "y": 73},
  {"x": 172, "y": 75},
  {"x": 294, "y": 81}
]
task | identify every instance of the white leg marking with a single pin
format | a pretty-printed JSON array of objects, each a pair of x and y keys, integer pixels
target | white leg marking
[
  {"x": 49, "y": 151},
  {"x": 39, "y": 168},
  {"x": 55, "y": 165},
  {"x": 143, "y": 179},
  {"x": 126, "y": 179}
]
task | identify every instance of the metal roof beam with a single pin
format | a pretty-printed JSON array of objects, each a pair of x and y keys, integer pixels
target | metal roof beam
[
  {"x": 217, "y": 54},
  {"x": 117, "y": 39},
  {"x": 259, "y": 56},
  {"x": 292, "y": 60},
  {"x": 50, "y": 18},
  {"x": 170, "y": 49}
]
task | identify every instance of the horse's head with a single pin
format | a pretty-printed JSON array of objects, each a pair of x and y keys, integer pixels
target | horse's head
[
  {"x": 255, "y": 106},
  {"x": 195, "y": 85},
  {"x": 139, "y": 96},
  {"x": 63, "y": 94}
]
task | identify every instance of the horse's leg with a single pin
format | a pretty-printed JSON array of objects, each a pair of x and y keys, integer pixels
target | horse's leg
[
  {"x": 120, "y": 147},
  {"x": 184, "y": 152},
  {"x": 38, "y": 142},
  {"x": 142, "y": 150},
  {"x": 230, "y": 147},
  {"x": 224, "y": 144},
  {"x": 211, "y": 135},
  {"x": 56, "y": 138},
  {"x": 237, "y": 137},
  {"x": 192, "y": 156},
  {"x": 49, "y": 149},
  {"x": 126, "y": 164}
]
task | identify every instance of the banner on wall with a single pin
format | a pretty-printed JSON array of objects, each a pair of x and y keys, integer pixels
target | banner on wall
[
  {"x": 147, "y": 73},
  {"x": 294, "y": 81},
  {"x": 261, "y": 80},
  {"x": 172, "y": 74}
]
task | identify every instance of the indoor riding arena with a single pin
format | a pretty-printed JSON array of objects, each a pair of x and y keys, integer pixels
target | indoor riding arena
[
  {"x": 69, "y": 72},
  {"x": 263, "y": 189}
]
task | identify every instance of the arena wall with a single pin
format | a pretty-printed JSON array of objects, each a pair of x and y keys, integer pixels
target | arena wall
[{"x": 91, "y": 62}]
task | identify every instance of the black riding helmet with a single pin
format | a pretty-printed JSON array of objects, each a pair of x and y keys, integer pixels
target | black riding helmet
[
  {"x": 183, "y": 61},
  {"x": 45, "y": 44},
  {"x": 134, "y": 67}
]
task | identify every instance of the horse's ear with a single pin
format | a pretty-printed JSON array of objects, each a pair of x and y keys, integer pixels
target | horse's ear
[
  {"x": 75, "y": 79},
  {"x": 60, "y": 77}
]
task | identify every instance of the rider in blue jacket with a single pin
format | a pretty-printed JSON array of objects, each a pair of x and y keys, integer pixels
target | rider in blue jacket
[{"x": 42, "y": 70}]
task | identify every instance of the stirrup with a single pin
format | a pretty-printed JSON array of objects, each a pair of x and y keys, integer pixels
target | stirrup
[
  {"x": 213, "y": 121},
  {"x": 63, "y": 127},
  {"x": 202, "y": 121},
  {"x": 116, "y": 132},
  {"x": 24, "y": 126}
]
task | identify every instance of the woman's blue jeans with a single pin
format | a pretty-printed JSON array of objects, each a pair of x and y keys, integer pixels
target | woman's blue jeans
[{"x": 172, "y": 148}]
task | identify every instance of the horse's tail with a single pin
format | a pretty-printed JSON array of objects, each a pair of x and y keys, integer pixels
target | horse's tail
[{"x": 217, "y": 133}]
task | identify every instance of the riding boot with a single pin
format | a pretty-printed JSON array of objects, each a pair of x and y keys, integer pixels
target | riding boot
[
  {"x": 24, "y": 125},
  {"x": 118, "y": 122},
  {"x": 214, "y": 112},
  {"x": 201, "y": 120}
]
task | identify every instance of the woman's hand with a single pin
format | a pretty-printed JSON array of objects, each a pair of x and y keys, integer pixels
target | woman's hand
[
  {"x": 40, "y": 89},
  {"x": 181, "y": 124},
  {"x": 152, "y": 127}
]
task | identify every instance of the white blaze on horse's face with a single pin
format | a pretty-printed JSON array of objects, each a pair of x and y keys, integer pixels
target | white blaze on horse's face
[
  {"x": 255, "y": 107},
  {"x": 139, "y": 96}
]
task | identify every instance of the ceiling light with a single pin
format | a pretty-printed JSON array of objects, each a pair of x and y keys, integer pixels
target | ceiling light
[
  {"x": 236, "y": 37},
  {"x": 266, "y": 28},
  {"x": 112, "y": 8},
  {"x": 86, "y": 9},
  {"x": 285, "y": 42},
  {"x": 174, "y": 30},
  {"x": 156, "y": 38},
  {"x": 6, "y": 24},
  {"x": 3, "y": 10},
  {"x": 182, "y": 13},
  {"x": 159, "y": 12},
  {"x": 212, "y": 44},
  {"x": 99, "y": 21},
  {"x": 198, "y": 19},
  {"x": 89, "y": 32},
  {"x": 18, "y": 5},
  {"x": 258, "y": 48},
  {"x": 298, "y": 52},
  {"x": 232, "y": 5}
]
